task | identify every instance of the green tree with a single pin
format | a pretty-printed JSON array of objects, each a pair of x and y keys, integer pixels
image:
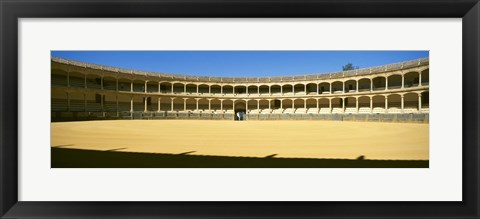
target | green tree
[{"x": 349, "y": 66}]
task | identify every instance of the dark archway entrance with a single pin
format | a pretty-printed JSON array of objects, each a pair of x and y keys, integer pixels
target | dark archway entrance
[{"x": 240, "y": 111}]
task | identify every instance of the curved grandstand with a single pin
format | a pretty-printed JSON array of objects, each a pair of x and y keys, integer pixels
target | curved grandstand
[{"x": 394, "y": 92}]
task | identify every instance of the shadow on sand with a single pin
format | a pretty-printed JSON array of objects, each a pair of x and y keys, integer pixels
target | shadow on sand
[{"x": 78, "y": 158}]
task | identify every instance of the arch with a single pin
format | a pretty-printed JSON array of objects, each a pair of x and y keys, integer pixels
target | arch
[
  {"x": 287, "y": 103},
  {"x": 287, "y": 89},
  {"x": 191, "y": 104},
  {"x": 350, "y": 102},
  {"x": 203, "y": 89},
  {"x": 394, "y": 81},
  {"x": 252, "y": 89},
  {"x": 138, "y": 104},
  {"x": 77, "y": 79},
  {"x": 216, "y": 89},
  {"x": 109, "y": 83},
  {"x": 379, "y": 83},
  {"x": 191, "y": 88},
  {"x": 228, "y": 105},
  {"x": 178, "y": 88},
  {"x": 263, "y": 90},
  {"x": 364, "y": 104},
  {"x": 299, "y": 88},
  {"x": 215, "y": 104},
  {"x": 411, "y": 79},
  {"x": 165, "y": 87},
  {"x": 252, "y": 106},
  {"x": 240, "y": 105},
  {"x": 311, "y": 88},
  {"x": 93, "y": 81},
  {"x": 378, "y": 104},
  {"x": 337, "y": 87},
  {"x": 311, "y": 103},
  {"x": 165, "y": 104},
  {"x": 228, "y": 89},
  {"x": 425, "y": 77},
  {"x": 59, "y": 77},
  {"x": 425, "y": 99},
  {"x": 178, "y": 104},
  {"x": 350, "y": 86},
  {"x": 364, "y": 84},
  {"x": 276, "y": 89},
  {"x": 241, "y": 89},
  {"x": 264, "y": 104},
  {"x": 324, "y": 105},
  {"x": 299, "y": 103},
  {"x": 123, "y": 102},
  {"x": 394, "y": 103},
  {"x": 410, "y": 102},
  {"x": 138, "y": 85},
  {"x": 152, "y": 87},
  {"x": 337, "y": 105},
  {"x": 324, "y": 88}
]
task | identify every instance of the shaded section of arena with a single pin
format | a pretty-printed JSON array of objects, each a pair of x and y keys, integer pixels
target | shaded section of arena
[{"x": 78, "y": 158}]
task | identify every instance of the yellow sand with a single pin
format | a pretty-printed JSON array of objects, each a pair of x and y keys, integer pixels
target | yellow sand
[{"x": 306, "y": 139}]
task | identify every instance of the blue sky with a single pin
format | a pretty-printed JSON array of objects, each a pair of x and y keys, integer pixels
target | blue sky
[{"x": 240, "y": 63}]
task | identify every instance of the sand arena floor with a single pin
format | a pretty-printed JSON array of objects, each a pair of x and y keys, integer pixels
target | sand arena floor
[{"x": 294, "y": 139}]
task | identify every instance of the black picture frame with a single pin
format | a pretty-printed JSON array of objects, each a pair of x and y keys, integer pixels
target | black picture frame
[{"x": 11, "y": 11}]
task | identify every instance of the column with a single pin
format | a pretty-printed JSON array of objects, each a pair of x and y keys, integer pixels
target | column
[
  {"x": 270, "y": 90},
  {"x": 171, "y": 103},
  {"x": 184, "y": 104},
  {"x": 281, "y": 103},
  {"x": 246, "y": 89},
  {"x": 145, "y": 99},
  {"x": 330, "y": 103},
  {"x": 330, "y": 88},
  {"x": 101, "y": 83},
  {"x": 403, "y": 81},
  {"x": 401, "y": 102},
  {"x": 131, "y": 104},
  {"x": 281, "y": 89},
  {"x": 131, "y": 86},
  {"x": 317, "y": 103},
  {"x": 318, "y": 88},
  {"x": 371, "y": 105},
  {"x": 233, "y": 105},
  {"x": 209, "y": 104},
  {"x": 269, "y": 104},
  {"x": 258, "y": 105},
  {"x": 386, "y": 83},
  {"x": 159, "y": 87},
  {"x": 221, "y": 105},
  {"x": 184, "y": 88},
  {"x": 172, "y": 87},
  {"x": 371, "y": 84},
  {"x": 357, "y": 86},
  {"x": 197, "y": 89},
  {"x": 197, "y": 100},
  {"x": 209, "y": 89},
  {"x": 116, "y": 84},
  {"x": 159, "y": 106},
  {"x": 356, "y": 103},
  {"x": 419, "y": 79},
  {"x": 304, "y": 103},
  {"x": 293, "y": 89},
  {"x": 116, "y": 101},
  {"x": 246, "y": 105},
  {"x": 343, "y": 105},
  {"x": 343, "y": 84},
  {"x": 419, "y": 103},
  {"x": 221, "y": 90},
  {"x": 386, "y": 104}
]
